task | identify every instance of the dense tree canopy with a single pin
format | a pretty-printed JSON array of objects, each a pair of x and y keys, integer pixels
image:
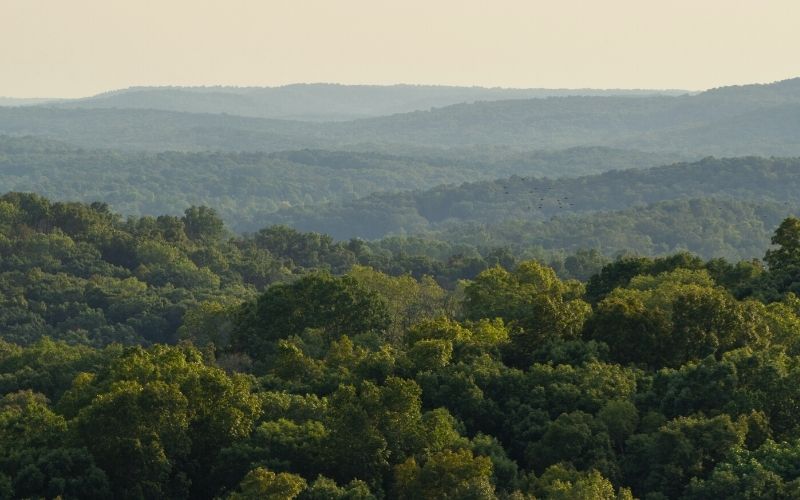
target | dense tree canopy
[{"x": 161, "y": 357}]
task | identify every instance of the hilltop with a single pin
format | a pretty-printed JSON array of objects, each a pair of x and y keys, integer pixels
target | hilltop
[
  {"x": 319, "y": 101},
  {"x": 731, "y": 121}
]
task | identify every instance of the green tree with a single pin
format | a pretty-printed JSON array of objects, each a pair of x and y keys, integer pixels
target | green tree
[
  {"x": 263, "y": 484},
  {"x": 162, "y": 416},
  {"x": 560, "y": 482},
  {"x": 37, "y": 456},
  {"x": 203, "y": 223},
  {"x": 675, "y": 317},
  {"x": 326, "y": 489},
  {"x": 407, "y": 299},
  {"x": 532, "y": 300},
  {"x": 682, "y": 449},
  {"x": 338, "y": 306},
  {"x": 787, "y": 239},
  {"x": 445, "y": 475}
]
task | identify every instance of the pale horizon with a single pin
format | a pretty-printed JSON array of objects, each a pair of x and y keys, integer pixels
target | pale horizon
[{"x": 86, "y": 47}]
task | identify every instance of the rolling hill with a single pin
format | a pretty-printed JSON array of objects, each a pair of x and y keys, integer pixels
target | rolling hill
[
  {"x": 246, "y": 187},
  {"x": 736, "y": 121},
  {"x": 320, "y": 101},
  {"x": 752, "y": 180}
]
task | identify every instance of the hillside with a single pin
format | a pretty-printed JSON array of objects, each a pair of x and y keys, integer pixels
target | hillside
[
  {"x": 537, "y": 199},
  {"x": 707, "y": 122},
  {"x": 155, "y": 130},
  {"x": 245, "y": 187},
  {"x": 712, "y": 207},
  {"x": 706, "y": 227},
  {"x": 732, "y": 121}
]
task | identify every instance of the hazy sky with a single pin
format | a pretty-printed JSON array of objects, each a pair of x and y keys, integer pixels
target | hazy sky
[{"x": 80, "y": 47}]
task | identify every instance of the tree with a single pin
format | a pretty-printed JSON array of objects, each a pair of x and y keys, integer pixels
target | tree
[
  {"x": 675, "y": 317},
  {"x": 338, "y": 306},
  {"x": 326, "y": 489},
  {"x": 39, "y": 457},
  {"x": 445, "y": 475},
  {"x": 686, "y": 447},
  {"x": 771, "y": 471},
  {"x": 576, "y": 438},
  {"x": 203, "y": 223},
  {"x": 157, "y": 419},
  {"x": 787, "y": 238},
  {"x": 532, "y": 300},
  {"x": 783, "y": 261},
  {"x": 561, "y": 482},
  {"x": 407, "y": 299},
  {"x": 263, "y": 484},
  {"x": 621, "y": 419}
]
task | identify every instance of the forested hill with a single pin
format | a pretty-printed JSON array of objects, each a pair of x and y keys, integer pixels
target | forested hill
[
  {"x": 714, "y": 207},
  {"x": 160, "y": 358},
  {"x": 707, "y": 227},
  {"x": 244, "y": 187},
  {"x": 536, "y": 199},
  {"x": 777, "y": 92},
  {"x": 157, "y": 130},
  {"x": 759, "y": 119},
  {"x": 763, "y": 120},
  {"x": 316, "y": 102}
]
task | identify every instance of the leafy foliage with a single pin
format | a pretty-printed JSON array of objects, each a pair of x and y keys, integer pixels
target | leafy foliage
[{"x": 163, "y": 358}]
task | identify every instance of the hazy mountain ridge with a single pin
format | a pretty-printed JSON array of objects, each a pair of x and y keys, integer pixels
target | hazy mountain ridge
[
  {"x": 319, "y": 102},
  {"x": 655, "y": 122},
  {"x": 23, "y": 101},
  {"x": 707, "y": 123},
  {"x": 778, "y": 91}
]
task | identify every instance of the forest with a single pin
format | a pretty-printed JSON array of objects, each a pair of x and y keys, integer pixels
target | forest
[
  {"x": 713, "y": 207},
  {"x": 545, "y": 202},
  {"x": 167, "y": 357},
  {"x": 247, "y": 187},
  {"x": 401, "y": 292}
]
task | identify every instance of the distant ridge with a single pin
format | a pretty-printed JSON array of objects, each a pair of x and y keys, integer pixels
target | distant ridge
[
  {"x": 781, "y": 88},
  {"x": 24, "y": 101},
  {"x": 320, "y": 101},
  {"x": 732, "y": 121}
]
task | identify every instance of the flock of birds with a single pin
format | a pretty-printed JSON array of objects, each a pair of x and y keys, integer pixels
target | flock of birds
[{"x": 540, "y": 197}]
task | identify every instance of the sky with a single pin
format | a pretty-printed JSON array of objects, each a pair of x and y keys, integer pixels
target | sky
[{"x": 58, "y": 48}]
